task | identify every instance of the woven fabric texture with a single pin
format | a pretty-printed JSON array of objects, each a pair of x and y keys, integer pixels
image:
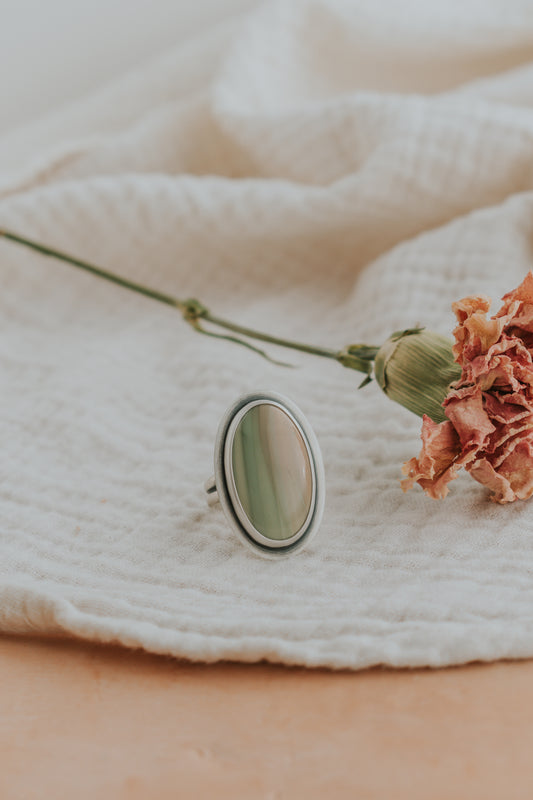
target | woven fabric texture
[{"x": 326, "y": 171}]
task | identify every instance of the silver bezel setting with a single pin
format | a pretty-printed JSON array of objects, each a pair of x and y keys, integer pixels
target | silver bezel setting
[{"x": 225, "y": 483}]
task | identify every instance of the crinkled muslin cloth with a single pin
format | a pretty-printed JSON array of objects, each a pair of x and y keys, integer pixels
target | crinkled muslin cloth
[{"x": 326, "y": 171}]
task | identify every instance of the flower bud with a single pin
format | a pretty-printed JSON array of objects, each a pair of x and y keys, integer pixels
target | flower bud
[{"x": 415, "y": 368}]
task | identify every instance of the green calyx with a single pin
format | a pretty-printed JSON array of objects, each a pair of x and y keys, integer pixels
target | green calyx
[
  {"x": 415, "y": 368},
  {"x": 359, "y": 357}
]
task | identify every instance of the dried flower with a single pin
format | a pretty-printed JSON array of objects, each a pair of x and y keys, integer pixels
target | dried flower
[
  {"x": 475, "y": 396},
  {"x": 489, "y": 425}
]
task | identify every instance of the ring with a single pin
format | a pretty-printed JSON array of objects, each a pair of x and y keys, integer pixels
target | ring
[{"x": 269, "y": 474}]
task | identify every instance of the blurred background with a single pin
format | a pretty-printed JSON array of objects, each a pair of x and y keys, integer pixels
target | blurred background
[{"x": 55, "y": 52}]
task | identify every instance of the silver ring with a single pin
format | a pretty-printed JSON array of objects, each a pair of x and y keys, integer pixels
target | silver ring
[{"x": 269, "y": 474}]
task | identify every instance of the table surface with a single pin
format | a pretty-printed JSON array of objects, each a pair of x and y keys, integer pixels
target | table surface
[{"x": 87, "y": 721}]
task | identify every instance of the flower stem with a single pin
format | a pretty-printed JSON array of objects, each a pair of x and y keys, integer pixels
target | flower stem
[
  {"x": 98, "y": 271},
  {"x": 357, "y": 357},
  {"x": 266, "y": 337}
]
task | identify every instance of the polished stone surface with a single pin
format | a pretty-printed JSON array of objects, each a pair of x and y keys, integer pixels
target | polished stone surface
[{"x": 272, "y": 472}]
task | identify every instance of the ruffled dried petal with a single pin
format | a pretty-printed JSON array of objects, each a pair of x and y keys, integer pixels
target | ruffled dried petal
[
  {"x": 485, "y": 474},
  {"x": 470, "y": 420},
  {"x": 435, "y": 466},
  {"x": 522, "y": 294},
  {"x": 511, "y": 478},
  {"x": 475, "y": 333}
]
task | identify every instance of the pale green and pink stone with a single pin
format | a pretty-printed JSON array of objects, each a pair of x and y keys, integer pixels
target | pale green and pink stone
[{"x": 272, "y": 472}]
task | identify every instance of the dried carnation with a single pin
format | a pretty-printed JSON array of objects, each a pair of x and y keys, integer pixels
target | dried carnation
[{"x": 489, "y": 410}]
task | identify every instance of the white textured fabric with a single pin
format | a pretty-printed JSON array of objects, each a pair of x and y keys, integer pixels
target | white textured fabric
[{"x": 331, "y": 172}]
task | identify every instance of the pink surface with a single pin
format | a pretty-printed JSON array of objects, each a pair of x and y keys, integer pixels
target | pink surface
[{"x": 82, "y": 721}]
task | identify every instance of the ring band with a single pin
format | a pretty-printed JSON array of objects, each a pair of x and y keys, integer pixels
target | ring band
[
  {"x": 269, "y": 475},
  {"x": 211, "y": 489}
]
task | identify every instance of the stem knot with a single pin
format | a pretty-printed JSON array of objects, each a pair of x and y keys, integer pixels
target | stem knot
[{"x": 193, "y": 310}]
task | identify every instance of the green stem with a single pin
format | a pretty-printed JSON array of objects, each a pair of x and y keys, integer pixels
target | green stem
[
  {"x": 98, "y": 271},
  {"x": 266, "y": 337},
  {"x": 357, "y": 357}
]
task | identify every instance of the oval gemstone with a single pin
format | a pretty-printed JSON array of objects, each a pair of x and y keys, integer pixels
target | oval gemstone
[{"x": 272, "y": 472}]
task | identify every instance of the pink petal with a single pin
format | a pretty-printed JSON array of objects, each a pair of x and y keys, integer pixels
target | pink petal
[
  {"x": 470, "y": 420},
  {"x": 484, "y": 473},
  {"x": 434, "y": 467},
  {"x": 513, "y": 478},
  {"x": 523, "y": 293}
]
